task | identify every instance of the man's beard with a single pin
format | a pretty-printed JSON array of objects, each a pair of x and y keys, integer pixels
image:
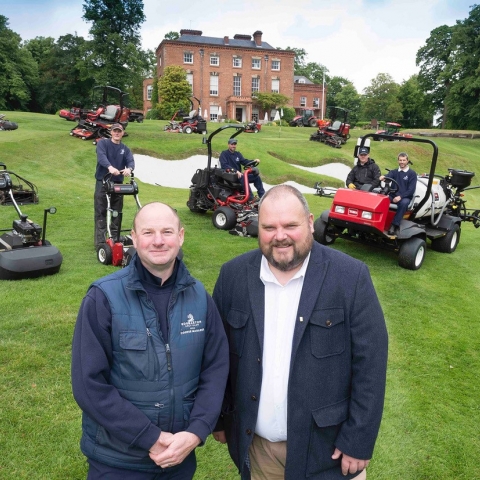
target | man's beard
[{"x": 300, "y": 253}]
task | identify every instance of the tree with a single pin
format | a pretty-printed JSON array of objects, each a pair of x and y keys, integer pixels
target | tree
[
  {"x": 335, "y": 86},
  {"x": 18, "y": 72},
  {"x": 381, "y": 99},
  {"x": 299, "y": 60},
  {"x": 269, "y": 101},
  {"x": 436, "y": 59},
  {"x": 417, "y": 108},
  {"x": 174, "y": 91},
  {"x": 349, "y": 99},
  {"x": 115, "y": 51},
  {"x": 463, "y": 98},
  {"x": 172, "y": 36}
]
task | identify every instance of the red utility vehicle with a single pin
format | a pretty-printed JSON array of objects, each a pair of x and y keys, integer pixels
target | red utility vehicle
[
  {"x": 436, "y": 213},
  {"x": 391, "y": 128}
]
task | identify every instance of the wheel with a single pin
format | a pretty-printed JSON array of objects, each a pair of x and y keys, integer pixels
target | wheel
[
  {"x": 449, "y": 242},
  {"x": 412, "y": 254},
  {"x": 322, "y": 233},
  {"x": 224, "y": 218},
  {"x": 255, "y": 130},
  {"x": 187, "y": 129},
  {"x": 312, "y": 123},
  {"x": 166, "y": 127},
  {"x": 104, "y": 254},
  {"x": 299, "y": 124}
]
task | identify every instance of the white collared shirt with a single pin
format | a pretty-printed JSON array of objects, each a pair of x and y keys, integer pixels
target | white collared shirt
[{"x": 281, "y": 307}]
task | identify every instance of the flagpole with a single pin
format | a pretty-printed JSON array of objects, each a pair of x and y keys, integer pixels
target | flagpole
[{"x": 323, "y": 93}]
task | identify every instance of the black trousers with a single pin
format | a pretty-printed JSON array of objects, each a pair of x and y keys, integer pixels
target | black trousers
[{"x": 100, "y": 212}]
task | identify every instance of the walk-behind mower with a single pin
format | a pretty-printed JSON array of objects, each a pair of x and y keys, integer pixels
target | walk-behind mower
[
  {"x": 221, "y": 191},
  {"x": 24, "y": 251},
  {"x": 110, "y": 109},
  {"x": 6, "y": 124},
  {"x": 22, "y": 190},
  {"x": 436, "y": 212},
  {"x": 117, "y": 251},
  {"x": 337, "y": 132}
]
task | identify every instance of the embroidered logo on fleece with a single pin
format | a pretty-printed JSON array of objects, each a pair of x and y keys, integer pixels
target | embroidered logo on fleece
[{"x": 191, "y": 325}]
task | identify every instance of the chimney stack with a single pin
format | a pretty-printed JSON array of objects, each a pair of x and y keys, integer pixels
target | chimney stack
[
  {"x": 225, "y": 40},
  {"x": 257, "y": 36}
]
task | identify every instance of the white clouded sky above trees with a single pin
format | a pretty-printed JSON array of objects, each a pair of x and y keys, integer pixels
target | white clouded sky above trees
[{"x": 356, "y": 39}]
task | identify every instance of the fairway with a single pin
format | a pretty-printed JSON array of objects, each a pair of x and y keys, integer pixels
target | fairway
[{"x": 432, "y": 410}]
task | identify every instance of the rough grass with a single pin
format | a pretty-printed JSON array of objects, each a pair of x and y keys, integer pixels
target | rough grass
[{"x": 430, "y": 425}]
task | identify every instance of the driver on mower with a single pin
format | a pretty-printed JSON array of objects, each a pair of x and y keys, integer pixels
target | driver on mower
[
  {"x": 115, "y": 158},
  {"x": 232, "y": 160},
  {"x": 406, "y": 180},
  {"x": 365, "y": 172}
]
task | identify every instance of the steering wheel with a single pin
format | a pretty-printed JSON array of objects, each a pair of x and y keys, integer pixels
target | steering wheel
[
  {"x": 251, "y": 163},
  {"x": 389, "y": 188}
]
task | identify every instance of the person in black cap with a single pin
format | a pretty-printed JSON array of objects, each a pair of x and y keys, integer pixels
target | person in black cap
[
  {"x": 233, "y": 160},
  {"x": 366, "y": 171},
  {"x": 116, "y": 158}
]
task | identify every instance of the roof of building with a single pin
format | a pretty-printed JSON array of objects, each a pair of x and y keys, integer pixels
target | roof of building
[
  {"x": 297, "y": 78},
  {"x": 242, "y": 41}
]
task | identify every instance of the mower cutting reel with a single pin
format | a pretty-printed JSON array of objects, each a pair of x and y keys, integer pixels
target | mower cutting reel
[
  {"x": 6, "y": 124},
  {"x": 117, "y": 251},
  {"x": 435, "y": 213},
  {"x": 23, "y": 191},
  {"x": 24, "y": 251},
  {"x": 221, "y": 192}
]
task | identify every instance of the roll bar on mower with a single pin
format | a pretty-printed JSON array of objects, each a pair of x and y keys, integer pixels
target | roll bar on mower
[{"x": 433, "y": 164}]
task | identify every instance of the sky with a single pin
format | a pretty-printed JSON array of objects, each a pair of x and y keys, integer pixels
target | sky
[{"x": 355, "y": 39}]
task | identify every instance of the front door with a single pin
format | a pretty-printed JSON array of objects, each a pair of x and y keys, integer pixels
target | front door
[{"x": 239, "y": 114}]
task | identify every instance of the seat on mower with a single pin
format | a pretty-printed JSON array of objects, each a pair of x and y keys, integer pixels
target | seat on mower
[
  {"x": 110, "y": 112},
  {"x": 336, "y": 126},
  {"x": 229, "y": 179},
  {"x": 192, "y": 114}
]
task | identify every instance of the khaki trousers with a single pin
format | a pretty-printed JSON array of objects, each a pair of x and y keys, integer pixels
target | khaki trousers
[{"x": 267, "y": 460}]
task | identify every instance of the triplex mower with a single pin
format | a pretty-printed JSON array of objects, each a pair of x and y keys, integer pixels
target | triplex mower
[
  {"x": 337, "y": 132},
  {"x": 221, "y": 191},
  {"x": 252, "y": 127},
  {"x": 97, "y": 122},
  {"x": 73, "y": 114},
  {"x": 191, "y": 123},
  {"x": 436, "y": 212},
  {"x": 393, "y": 129},
  {"x": 22, "y": 190},
  {"x": 117, "y": 251},
  {"x": 6, "y": 124},
  {"x": 24, "y": 251}
]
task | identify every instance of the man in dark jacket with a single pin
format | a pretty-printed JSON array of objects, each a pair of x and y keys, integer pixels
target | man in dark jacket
[
  {"x": 233, "y": 160},
  {"x": 149, "y": 360},
  {"x": 308, "y": 352},
  {"x": 365, "y": 172}
]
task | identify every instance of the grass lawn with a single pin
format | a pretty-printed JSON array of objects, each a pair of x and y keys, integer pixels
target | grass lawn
[{"x": 432, "y": 410}]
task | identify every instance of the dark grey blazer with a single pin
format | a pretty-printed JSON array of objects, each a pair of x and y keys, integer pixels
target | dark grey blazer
[{"x": 338, "y": 366}]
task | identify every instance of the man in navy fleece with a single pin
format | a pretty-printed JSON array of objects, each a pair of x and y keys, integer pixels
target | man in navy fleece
[
  {"x": 233, "y": 160},
  {"x": 149, "y": 360},
  {"x": 406, "y": 179}
]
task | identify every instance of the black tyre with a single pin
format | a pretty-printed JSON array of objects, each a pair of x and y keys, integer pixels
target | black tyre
[
  {"x": 412, "y": 254},
  {"x": 299, "y": 124},
  {"x": 255, "y": 130},
  {"x": 127, "y": 256},
  {"x": 187, "y": 129},
  {"x": 104, "y": 254},
  {"x": 322, "y": 233},
  {"x": 312, "y": 123},
  {"x": 224, "y": 218},
  {"x": 449, "y": 242}
]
